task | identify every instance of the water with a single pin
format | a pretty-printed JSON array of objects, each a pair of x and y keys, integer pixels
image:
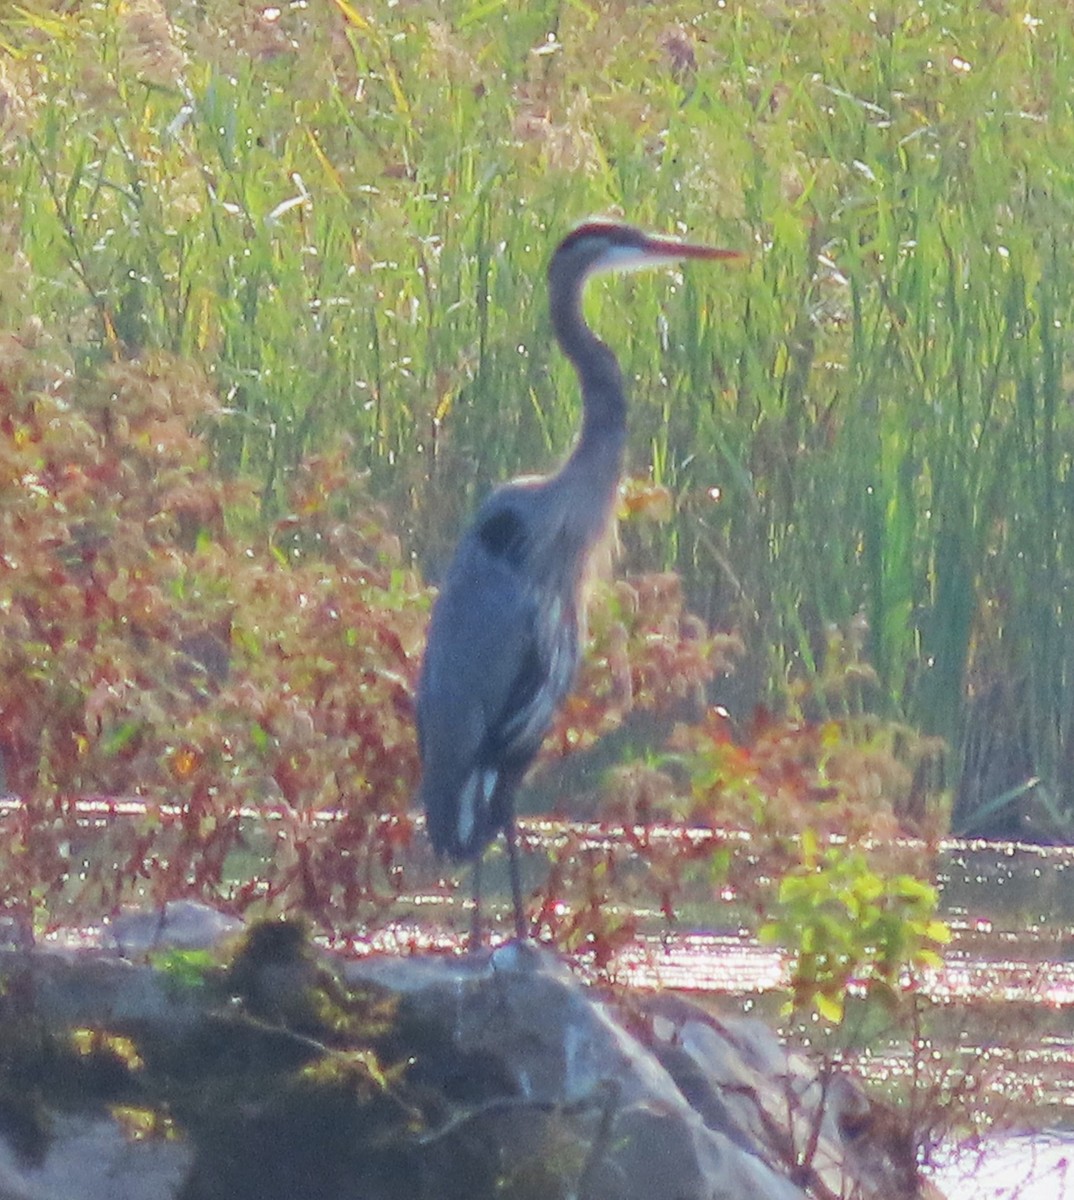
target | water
[
  {"x": 1029, "y": 1167},
  {"x": 1012, "y": 907}
]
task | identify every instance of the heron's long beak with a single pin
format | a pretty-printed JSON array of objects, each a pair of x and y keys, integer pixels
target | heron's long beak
[
  {"x": 660, "y": 249},
  {"x": 655, "y": 252}
]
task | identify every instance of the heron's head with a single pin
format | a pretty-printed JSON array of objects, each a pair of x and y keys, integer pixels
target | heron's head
[{"x": 597, "y": 246}]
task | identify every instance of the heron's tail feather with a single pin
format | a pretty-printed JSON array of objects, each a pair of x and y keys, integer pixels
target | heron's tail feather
[{"x": 462, "y": 821}]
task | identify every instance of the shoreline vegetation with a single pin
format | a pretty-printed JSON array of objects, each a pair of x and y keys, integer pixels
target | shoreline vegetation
[{"x": 854, "y": 453}]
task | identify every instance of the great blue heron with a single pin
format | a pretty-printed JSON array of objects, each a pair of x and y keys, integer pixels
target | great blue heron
[{"x": 506, "y": 630}]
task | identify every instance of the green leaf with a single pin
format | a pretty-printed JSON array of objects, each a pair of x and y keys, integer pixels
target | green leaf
[
  {"x": 938, "y": 931},
  {"x": 120, "y": 737},
  {"x": 830, "y": 1007}
]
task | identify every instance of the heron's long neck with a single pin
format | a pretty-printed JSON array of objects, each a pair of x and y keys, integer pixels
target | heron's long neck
[{"x": 598, "y": 453}]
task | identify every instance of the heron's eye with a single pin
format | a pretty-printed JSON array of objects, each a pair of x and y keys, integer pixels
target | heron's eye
[{"x": 504, "y": 536}]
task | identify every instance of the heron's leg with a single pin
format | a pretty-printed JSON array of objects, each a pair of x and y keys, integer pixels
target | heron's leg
[
  {"x": 516, "y": 884},
  {"x": 475, "y": 915}
]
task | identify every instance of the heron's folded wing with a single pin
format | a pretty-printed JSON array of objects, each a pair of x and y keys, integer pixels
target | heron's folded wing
[{"x": 482, "y": 661}]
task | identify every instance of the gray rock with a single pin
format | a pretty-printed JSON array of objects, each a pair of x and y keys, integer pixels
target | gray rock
[
  {"x": 551, "y": 1088},
  {"x": 178, "y": 925},
  {"x": 684, "y": 1108},
  {"x": 93, "y": 1159},
  {"x": 89, "y": 990}
]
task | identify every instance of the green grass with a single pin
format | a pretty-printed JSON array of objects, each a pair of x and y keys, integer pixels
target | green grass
[{"x": 343, "y": 215}]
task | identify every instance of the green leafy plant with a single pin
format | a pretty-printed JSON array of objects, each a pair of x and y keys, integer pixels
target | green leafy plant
[
  {"x": 185, "y": 970},
  {"x": 848, "y": 925}
]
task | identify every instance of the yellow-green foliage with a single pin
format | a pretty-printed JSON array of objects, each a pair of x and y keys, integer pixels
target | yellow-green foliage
[{"x": 848, "y": 925}]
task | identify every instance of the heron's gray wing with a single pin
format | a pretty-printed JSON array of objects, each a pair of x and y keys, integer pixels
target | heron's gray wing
[{"x": 497, "y": 662}]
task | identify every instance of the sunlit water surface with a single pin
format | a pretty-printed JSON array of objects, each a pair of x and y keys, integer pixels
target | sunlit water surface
[{"x": 1038, "y": 1167}]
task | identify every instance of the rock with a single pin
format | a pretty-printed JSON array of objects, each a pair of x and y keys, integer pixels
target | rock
[
  {"x": 683, "y": 1106},
  {"x": 76, "y": 990},
  {"x": 288, "y": 1076},
  {"x": 738, "y": 1076},
  {"x": 179, "y": 925},
  {"x": 94, "y": 1159}
]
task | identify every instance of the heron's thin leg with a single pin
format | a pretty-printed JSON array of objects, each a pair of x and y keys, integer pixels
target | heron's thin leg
[
  {"x": 516, "y": 885},
  {"x": 475, "y": 915}
]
